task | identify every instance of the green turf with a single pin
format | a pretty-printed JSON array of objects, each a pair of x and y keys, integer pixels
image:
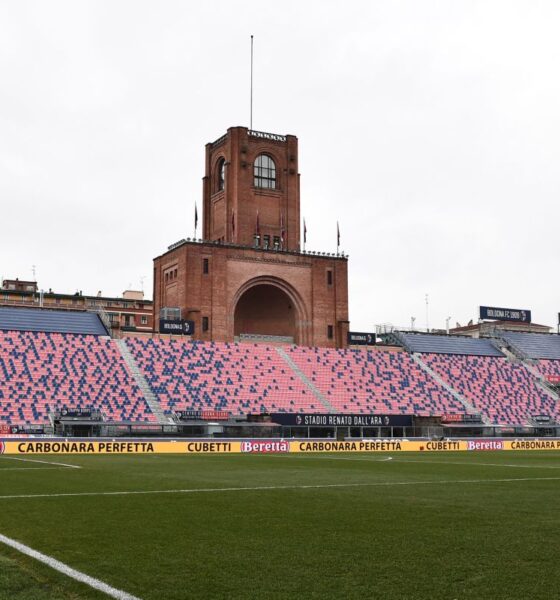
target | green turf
[{"x": 437, "y": 536}]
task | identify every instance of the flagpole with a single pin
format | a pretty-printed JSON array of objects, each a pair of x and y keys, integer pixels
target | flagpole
[
  {"x": 195, "y": 219},
  {"x": 251, "y": 111}
]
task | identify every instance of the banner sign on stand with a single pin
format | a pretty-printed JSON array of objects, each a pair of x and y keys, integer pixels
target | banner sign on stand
[
  {"x": 493, "y": 313},
  {"x": 356, "y": 338},
  {"x": 202, "y": 415},
  {"x": 176, "y": 326},
  {"x": 332, "y": 420}
]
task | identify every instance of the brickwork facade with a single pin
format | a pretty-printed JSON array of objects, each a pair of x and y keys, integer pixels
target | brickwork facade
[{"x": 249, "y": 275}]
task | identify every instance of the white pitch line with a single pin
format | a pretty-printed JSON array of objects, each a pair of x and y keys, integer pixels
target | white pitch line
[
  {"x": 66, "y": 570},
  {"x": 277, "y": 487},
  {"x": 434, "y": 462},
  {"x": 31, "y": 469},
  {"x": 45, "y": 462},
  {"x": 443, "y": 462}
]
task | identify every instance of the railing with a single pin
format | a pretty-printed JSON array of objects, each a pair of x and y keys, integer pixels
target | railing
[
  {"x": 105, "y": 319},
  {"x": 271, "y": 249},
  {"x": 385, "y": 328},
  {"x": 219, "y": 140},
  {"x": 176, "y": 244},
  {"x": 34, "y": 302},
  {"x": 257, "y": 337},
  {"x": 274, "y": 137},
  {"x": 46, "y": 305},
  {"x": 263, "y": 135}
]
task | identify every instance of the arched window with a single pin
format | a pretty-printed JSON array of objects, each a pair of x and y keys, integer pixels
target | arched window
[
  {"x": 221, "y": 174},
  {"x": 265, "y": 172}
]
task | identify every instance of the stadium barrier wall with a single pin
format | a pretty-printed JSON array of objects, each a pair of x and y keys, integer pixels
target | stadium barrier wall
[{"x": 225, "y": 446}]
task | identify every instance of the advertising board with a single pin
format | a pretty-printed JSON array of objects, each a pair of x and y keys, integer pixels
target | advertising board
[
  {"x": 176, "y": 326},
  {"x": 341, "y": 420},
  {"x": 262, "y": 446},
  {"x": 357, "y": 338},
  {"x": 202, "y": 415},
  {"x": 494, "y": 313}
]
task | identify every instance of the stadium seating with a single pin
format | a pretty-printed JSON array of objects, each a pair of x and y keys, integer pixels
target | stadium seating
[
  {"x": 42, "y": 372},
  {"x": 449, "y": 344},
  {"x": 53, "y": 321},
  {"x": 549, "y": 367},
  {"x": 374, "y": 382},
  {"x": 535, "y": 345},
  {"x": 502, "y": 391},
  {"x": 238, "y": 378}
]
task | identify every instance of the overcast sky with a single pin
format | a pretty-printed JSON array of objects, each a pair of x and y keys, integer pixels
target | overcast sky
[{"x": 430, "y": 130}]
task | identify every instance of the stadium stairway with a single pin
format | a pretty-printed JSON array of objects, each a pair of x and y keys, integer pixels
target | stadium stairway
[
  {"x": 516, "y": 356},
  {"x": 144, "y": 386},
  {"x": 398, "y": 338},
  {"x": 310, "y": 386},
  {"x": 416, "y": 357}
]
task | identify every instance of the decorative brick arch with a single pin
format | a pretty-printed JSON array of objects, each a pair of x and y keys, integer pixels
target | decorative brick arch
[{"x": 302, "y": 318}]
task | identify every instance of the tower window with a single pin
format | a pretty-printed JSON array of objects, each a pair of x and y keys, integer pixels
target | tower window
[
  {"x": 221, "y": 174},
  {"x": 266, "y": 242},
  {"x": 205, "y": 266},
  {"x": 204, "y": 323},
  {"x": 329, "y": 277},
  {"x": 330, "y": 332},
  {"x": 265, "y": 172}
]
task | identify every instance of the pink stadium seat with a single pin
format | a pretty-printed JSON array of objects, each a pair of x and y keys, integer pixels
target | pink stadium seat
[
  {"x": 253, "y": 378},
  {"x": 549, "y": 367},
  {"x": 374, "y": 382},
  {"x": 237, "y": 378},
  {"x": 42, "y": 372},
  {"x": 506, "y": 393}
]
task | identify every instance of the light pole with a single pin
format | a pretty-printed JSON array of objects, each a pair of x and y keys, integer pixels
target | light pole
[
  {"x": 447, "y": 324},
  {"x": 412, "y": 321}
]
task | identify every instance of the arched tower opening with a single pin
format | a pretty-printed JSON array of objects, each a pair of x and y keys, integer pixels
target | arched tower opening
[{"x": 266, "y": 310}]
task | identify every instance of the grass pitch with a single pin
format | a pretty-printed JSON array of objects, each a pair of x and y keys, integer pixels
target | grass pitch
[{"x": 452, "y": 525}]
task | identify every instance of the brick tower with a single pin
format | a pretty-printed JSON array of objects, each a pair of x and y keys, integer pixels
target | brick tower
[{"x": 248, "y": 278}]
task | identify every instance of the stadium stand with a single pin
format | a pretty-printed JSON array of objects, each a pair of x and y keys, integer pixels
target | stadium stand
[
  {"x": 535, "y": 345},
  {"x": 448, "y": 344},
  {"x": 238, "y": 378},
  {"x": 43, "y": 372},
  {"x": 504, "y": 392},
  {"x": 370, "y": 381},
  {"x": 548, "y": 367},
  {"x": 53, "y": 321}
]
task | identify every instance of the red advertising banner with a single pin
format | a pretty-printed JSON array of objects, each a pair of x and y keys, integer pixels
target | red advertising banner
[
  {"x": 215, "y": 415},
  {"x": 5, "y": 429},
  {"x": 452, "y": 418}
]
